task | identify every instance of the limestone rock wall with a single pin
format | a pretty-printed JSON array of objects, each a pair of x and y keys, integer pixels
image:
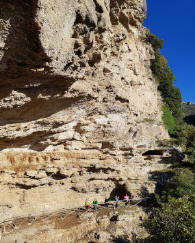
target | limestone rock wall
[
  {"x": 78, "y": 103},
  {"x": 102, "y": 226}
]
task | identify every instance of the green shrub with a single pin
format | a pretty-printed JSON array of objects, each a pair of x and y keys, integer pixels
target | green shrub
[
  {"x": 168, "y": 119},
  {"x": 174, "y": 222},
  {"x": 182, "y": 184},
  {"x": 165, "y": 78},
  {"x": 186, "y": 138},
  {"x": 155, "y": 41}
]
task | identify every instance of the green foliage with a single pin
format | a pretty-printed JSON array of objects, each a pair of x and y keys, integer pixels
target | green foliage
[
  {"x": 189, "y": 113},
  {"x": 168, "y": 119},
  {"x": 190, "y": 119},
  {"x": 162, "y": 71},
  {"x": 174, "y": 219},
  {"x": 165, "y": 78},
  {"x": 174, "y": 222},
  {"x": 188, "y": 132},
  {"x": 190, "y": 151},
  {"x": 182, "y": 184},
  {"x": 155, "y": 41},
  {"x": 186, "y": 138}
]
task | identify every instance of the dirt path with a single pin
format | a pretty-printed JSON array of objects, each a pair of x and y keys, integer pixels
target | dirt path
[{"x": 63, "y": 226}]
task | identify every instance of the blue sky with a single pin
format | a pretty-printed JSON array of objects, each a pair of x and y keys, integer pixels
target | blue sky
[{"x": 174, "y": 22}]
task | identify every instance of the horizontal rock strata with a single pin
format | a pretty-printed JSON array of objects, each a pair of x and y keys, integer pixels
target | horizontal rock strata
[
  {"x": 37, "y": 183},
  {"x": 79, "y": 106}
]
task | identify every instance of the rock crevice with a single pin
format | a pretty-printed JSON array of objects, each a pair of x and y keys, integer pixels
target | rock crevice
[{"x": 79, "y": 106}]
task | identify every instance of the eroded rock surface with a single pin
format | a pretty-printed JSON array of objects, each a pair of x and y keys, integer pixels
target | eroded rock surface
[
  {"x": 79, "y": 106},
  {"x": 99, "y": 226}
]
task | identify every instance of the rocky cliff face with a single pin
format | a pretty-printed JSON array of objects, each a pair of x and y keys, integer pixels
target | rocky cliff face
[
  {"x": 79, "y": 106},
  {"x": 103, "y": 226}
]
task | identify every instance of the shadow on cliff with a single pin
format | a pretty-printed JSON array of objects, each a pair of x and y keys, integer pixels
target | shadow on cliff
[
  {"x": 165, "y": 156},
  {"x": 24, "y": 61},
  {"x": 40, "y": 106},
  {"x": 190, "y": 119},
  {"x": 160, "y": 178},
  {"x": 23, "y": 56},
  {"x": 121, "y": 240},
  {"x": 119, "y": 190},
  {"x": 23, "y": 49}
]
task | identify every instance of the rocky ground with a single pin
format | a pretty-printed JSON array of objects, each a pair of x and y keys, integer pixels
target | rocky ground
[{"x": 103, "y": 225}]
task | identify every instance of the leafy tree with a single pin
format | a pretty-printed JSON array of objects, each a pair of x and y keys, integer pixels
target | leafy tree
[
  {"x": 190, "y": 150},
  {"x": 174, "y": 222},
  {"x": 186, "y": 138},
  {"x": 182, "y": 184}
]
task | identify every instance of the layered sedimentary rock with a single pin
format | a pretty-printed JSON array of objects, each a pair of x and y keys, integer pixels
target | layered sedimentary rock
[
  {"x": 79, "y": 106},
  {"x": 102, "y": 226}
]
